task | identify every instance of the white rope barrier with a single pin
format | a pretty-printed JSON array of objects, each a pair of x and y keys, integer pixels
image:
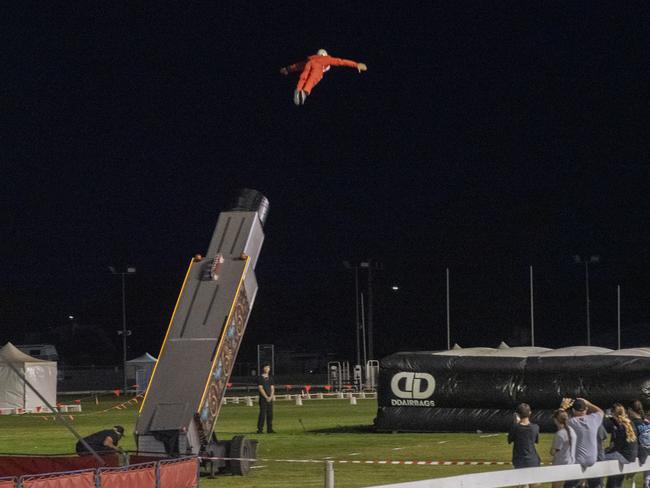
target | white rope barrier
[
  {"x": 513, "y": 477},
  {"x": 369, "y": 461},
  {"x": 492, "y": 479}
]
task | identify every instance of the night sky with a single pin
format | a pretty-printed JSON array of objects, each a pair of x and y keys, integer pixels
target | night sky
[{"x": 483, "y": 138}]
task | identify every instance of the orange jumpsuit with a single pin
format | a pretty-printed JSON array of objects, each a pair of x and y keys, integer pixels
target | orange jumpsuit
[{"x": 312, "y": 70}]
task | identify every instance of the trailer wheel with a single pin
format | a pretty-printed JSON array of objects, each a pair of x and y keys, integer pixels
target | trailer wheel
[{"x": 240, "y": 447}]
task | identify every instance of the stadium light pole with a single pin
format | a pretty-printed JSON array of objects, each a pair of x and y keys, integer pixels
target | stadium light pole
[
  {"x": 347, "y": 265},
  {"x": 363, "y": 331},
  {"x": 618, "y": 315},
  {"x": 532, "y": 310},
  {"x": 129, "y": 271},
  {"x": 587, "y": 261},
  {"x": 448, "y": 316},
  {"x": 370, "y": 330},
  {"x": 371, "y": 265}
]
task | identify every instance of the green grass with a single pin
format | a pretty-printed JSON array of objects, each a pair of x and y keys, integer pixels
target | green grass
[{"x": 314, "y": 431}]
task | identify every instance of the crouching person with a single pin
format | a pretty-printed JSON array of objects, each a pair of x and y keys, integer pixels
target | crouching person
[{"x": 104, "y": 441}]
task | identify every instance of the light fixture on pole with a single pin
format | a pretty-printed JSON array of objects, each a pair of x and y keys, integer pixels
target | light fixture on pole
[
  {"x": 448, "y": 315},
  {"x": 360, "y": 320},
  {"x": 356, "y": 302},
  {"x": 124, "y": 332},
  {"x": 618, "y": 316},
  {"x": 363, "y": 330},
  {"x": 370, "y": 265},
  {"x": 532, "y": 310},
  {"x": 587, "y": 262}
]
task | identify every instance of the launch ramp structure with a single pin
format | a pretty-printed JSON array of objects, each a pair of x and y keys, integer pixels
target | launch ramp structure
[{"x": 182, "y": 401}]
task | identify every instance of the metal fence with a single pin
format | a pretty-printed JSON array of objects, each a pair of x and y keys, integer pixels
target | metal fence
[{"x": 172, "y": 473}]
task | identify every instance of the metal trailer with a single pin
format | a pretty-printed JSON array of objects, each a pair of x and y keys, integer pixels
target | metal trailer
[{"x": 181, "y": 404}]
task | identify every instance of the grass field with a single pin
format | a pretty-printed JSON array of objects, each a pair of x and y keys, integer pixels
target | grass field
[{"x": 317, "y": 430}]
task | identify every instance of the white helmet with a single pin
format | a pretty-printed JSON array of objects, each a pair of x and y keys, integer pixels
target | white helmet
[{"x": 322, "y": 52}]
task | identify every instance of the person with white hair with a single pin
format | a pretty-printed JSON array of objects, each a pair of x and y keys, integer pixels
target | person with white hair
[{"x": 312, "y": 71}]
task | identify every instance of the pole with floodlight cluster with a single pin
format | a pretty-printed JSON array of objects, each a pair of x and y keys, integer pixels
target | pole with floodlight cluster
[
  {"x": 124, "y": 333},
  {"x": 587, "y": 262},
  {"x": 356, "y": 301}
]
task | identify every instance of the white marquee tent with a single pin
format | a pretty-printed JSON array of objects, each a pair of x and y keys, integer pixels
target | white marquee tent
[
  {"x": 140, "y": 369},
  {"x": 14, "y": 392}
]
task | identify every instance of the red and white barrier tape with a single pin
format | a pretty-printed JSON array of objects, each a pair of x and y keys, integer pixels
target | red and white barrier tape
[{"x": 358, "y": 461}]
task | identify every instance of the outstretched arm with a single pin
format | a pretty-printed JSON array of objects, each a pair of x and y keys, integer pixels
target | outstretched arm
[
  {"x": 293, "y": 68},
  {"x": 348, "y": 62}
]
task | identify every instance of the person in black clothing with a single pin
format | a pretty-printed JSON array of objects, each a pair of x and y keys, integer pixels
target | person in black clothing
[
  {"x": 102, "y": 441},
  {"x": 624, "y": 446},
  {"x": 642, "y": 426},
  {"x": 266, "y": 388},
  {"x": 523, "y": 436}
]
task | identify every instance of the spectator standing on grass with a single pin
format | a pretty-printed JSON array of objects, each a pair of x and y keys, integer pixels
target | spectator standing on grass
[
  {"x": 624, "y": 446},
  {"x": 586, "y": 420},
  {"x": 563, "y": 448},
  {"x": 523, "y": 436},
  {"x": 266, "y": 389},
  {"x": 642, "y": 425}
]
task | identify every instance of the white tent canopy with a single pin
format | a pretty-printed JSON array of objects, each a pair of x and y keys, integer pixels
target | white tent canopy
[
  {"x": 14, "y": 392},
  {"x": 146, "y": 358},
  {"x": 140, "y": 369}
]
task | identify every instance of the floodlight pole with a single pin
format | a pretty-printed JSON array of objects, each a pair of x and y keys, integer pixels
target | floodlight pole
[
  {"x": 618, "y": 315},
  {"x": 363, "y": 330},
  {"x": 124, "y": 332},
  {"x": 532, "y": 310},
  {"x": 371, "y": 349},
  {"x": 356, "y": 315},
  {"x": 588, "y": 303},
  {"x": 448, "y": 316},
  {"x": 370, "y": 265},
  {"x": 586, "y": 262},
  {"x": 347, "y": 265}
]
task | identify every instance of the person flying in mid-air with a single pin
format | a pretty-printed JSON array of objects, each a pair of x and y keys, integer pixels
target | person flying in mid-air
[{"x": 312, "y": 71}]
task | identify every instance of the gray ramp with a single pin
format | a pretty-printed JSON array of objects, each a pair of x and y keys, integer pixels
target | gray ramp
[{"x": 188, "y": 384}]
